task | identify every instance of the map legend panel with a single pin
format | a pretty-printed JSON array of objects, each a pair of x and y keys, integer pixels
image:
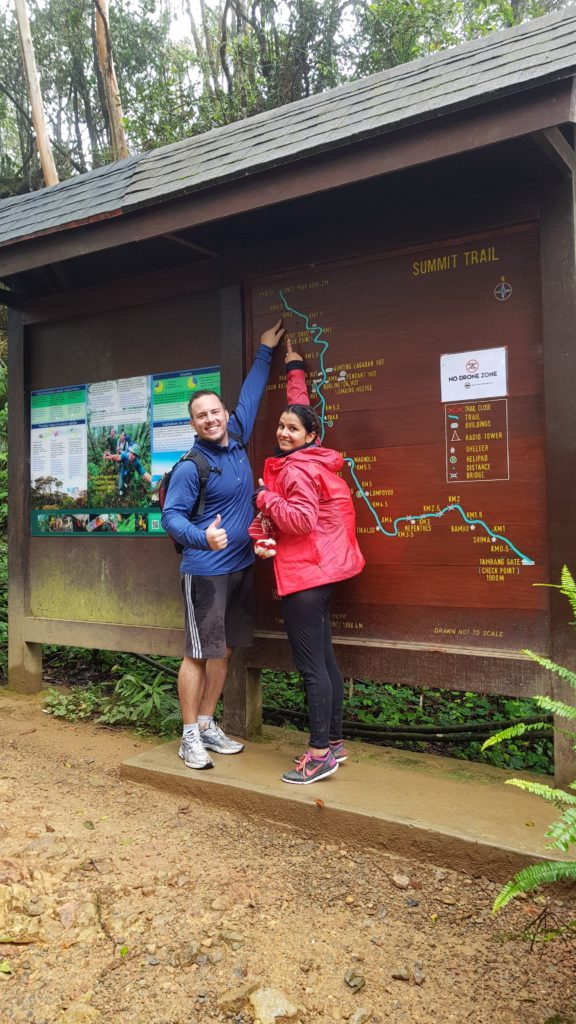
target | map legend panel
[{"x": 477, "y": 441}]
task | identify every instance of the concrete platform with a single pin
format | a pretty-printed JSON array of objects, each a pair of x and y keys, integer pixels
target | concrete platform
[{"x": 451, "y": 813}]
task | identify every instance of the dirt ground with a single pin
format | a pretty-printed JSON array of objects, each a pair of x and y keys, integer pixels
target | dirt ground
[{"x": 123, "y": 903}]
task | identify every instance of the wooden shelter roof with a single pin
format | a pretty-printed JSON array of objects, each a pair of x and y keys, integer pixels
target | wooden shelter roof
[{"x": 496, "y": 67}]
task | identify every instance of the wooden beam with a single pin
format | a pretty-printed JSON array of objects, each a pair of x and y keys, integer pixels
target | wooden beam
[
  {"x": 115, "y": 636},
  {"x": 403, "y": 229},
  {"x": 126, "y": 292},
  {"x": 558, "y": 150},
  {"x": 438, "y": 668},
  {"x": 11, "y": 299},
  {"x": 415, "y": 145},
  {"x": 489, "y": 210},
  {"x": 190, "y": 245}
]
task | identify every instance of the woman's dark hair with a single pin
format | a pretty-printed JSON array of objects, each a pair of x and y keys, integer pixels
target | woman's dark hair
[{"x": 307, "y": 417}]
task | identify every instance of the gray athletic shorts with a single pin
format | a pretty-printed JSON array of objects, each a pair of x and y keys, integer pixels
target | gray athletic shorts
[{"x": 218, "y": 612}]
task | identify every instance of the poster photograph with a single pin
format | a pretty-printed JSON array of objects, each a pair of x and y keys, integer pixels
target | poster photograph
[{"x": 119, "y": 443}]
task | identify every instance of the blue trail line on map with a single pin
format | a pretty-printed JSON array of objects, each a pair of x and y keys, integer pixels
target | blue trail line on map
[{"x": 316, "y": 331}]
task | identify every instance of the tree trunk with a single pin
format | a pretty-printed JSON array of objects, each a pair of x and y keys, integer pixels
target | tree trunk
[
  {"x": 104, "y": 46},
  {"x": 31, "y": 71},
  {"x": 210, "y": 46},
  {"x": 200, "y": 50}
]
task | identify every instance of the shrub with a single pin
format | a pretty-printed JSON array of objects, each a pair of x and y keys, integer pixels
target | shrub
[{"x": 562, "y": 833}]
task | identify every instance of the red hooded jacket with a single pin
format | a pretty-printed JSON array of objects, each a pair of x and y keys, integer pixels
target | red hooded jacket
[{"x": 312, "y": 509}]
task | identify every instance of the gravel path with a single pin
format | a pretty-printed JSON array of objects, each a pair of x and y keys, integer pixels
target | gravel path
[{"x": 125, "y": 904}]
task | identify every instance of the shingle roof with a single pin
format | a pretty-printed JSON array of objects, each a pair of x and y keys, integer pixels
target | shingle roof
[
  {"x": 88, "y": 196},
  {"x": 496, "y": 66}
]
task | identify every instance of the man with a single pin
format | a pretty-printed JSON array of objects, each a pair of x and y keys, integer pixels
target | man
[
  {"x": 111, "y": 442},
  {"x": 129, "y": 464},
  {"x": 124, "y": 441},
  {"x": 217, "y": 562}
]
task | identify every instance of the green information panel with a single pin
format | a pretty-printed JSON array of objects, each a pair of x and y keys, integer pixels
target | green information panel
[{"x": 98, "y": 451}]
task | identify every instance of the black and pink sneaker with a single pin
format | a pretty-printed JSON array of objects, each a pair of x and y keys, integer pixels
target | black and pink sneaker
[
  {"x": 338, "y": 750},
  {"x": 311, "y": 768}
]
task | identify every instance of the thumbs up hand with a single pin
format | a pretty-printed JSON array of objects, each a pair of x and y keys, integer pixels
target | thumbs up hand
[{"x": 216, "y": 536}]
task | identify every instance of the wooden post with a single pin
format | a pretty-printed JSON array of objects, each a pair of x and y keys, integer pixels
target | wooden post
[
  {"x": 559, "y": 317},
  {"x": 38, "y": 120},
  {"x": 24, "y": 659},
  {"x": 242, "y": 698},
  {"x": 242, "y": 693}
]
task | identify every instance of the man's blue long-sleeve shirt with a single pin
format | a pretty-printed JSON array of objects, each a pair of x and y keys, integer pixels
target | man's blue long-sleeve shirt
[{"x": 228, "y": 492}]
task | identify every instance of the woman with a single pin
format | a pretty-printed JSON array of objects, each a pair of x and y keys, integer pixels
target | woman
[{"x": 316, "y": 546}]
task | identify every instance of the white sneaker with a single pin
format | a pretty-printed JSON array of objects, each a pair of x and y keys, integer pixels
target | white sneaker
[
  {"x": 214, "y": 739},
  {"x": 194, "y": 753}
]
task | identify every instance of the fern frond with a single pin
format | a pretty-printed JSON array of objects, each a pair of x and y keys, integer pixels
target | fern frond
[
  {"x": 554, "y": 796},
  {"x": 512, "y": 732},
  {"x": 558, "y": 707},
  {"x": 551, "y": 666},
  {"x": 568, "y": 587},
  {"x": 563, "y": 832},
  {"x": 532, "y": 877}
]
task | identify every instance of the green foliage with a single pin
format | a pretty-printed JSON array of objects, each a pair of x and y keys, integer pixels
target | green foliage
[
  {"x": 77, "y": 706},
  {"x": 145, "y": 699},
  {"x": 559, "y": 797},
  {"x": 532, "y": 877},
  {"x": 148, "y": 706},
  {"x": 238, "y": 59},
  {"x": 562, "y": 833},
  {"x": 551, "y": 666},
  {"x": 480, "y": 17},
  {"x": 557, "y": 707},
  {"x": 512, "y": 733},
  {"x": 392, "y": 32},
  {"x": 389, "y": 706},
  {"x": 154, "y": 703}
]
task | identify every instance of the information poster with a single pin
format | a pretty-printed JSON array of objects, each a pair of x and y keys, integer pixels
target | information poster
[
  {"x": 448, "y": 481},
  {"x": 58, "y": 453},
  {"x": 98, "y": 451},
  {"x": 171, "y": 431}
]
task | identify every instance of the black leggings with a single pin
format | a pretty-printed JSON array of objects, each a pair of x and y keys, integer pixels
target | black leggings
[{"x": 307, "y": 621}]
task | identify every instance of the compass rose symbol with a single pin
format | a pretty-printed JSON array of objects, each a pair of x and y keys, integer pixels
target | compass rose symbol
[{"x": 503, "y": 290}]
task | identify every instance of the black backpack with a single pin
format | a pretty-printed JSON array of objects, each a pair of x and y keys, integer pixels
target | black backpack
[{"x": 204, "y": 470}]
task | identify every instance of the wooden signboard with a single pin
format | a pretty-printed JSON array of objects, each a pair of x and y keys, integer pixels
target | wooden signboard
[{"x": 426, "y": 368}]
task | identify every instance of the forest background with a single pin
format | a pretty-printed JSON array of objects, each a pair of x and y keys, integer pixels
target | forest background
[{"x": 184, "y": 67}]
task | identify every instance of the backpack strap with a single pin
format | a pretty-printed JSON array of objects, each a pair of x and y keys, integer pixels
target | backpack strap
[{"x": 204, "y": 469}]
